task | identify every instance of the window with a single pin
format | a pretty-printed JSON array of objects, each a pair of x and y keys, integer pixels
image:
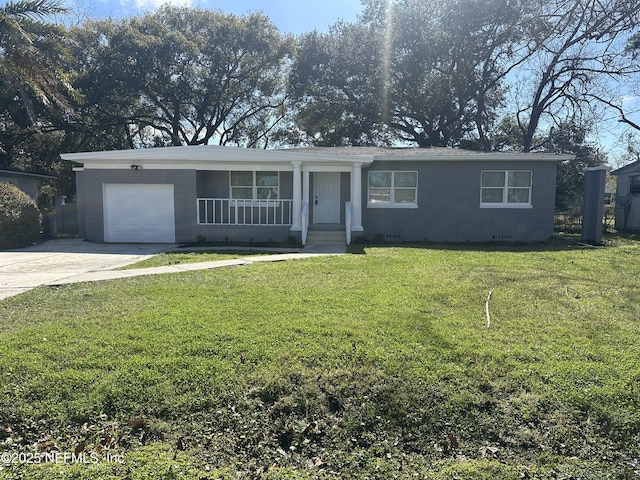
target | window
[
  {"x": 634, "y": 185},
  {"x": 254, "y": 185},
  {"x": 506, "y": 188},
  {"x": 397, "y": 189}
]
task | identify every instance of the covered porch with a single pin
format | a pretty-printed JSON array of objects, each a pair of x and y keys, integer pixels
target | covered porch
[{"x": 260, "y": 202}]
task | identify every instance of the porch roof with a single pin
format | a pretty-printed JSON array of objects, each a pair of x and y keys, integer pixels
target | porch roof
[{"x": 212, "y": 157}]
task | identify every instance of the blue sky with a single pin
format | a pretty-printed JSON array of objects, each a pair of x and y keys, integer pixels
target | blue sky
[{"x": 290, "y": 16}]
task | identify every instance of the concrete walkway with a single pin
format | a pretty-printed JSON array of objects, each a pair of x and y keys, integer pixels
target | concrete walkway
[
  {"x": 183, "y": 267},
  {"x": 65, "y": 261}
]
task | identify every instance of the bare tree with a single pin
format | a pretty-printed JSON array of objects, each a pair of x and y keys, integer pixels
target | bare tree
[{"x": 580, "y": 48}]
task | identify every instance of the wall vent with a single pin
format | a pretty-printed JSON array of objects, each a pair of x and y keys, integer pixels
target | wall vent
[{"x": 503, "y": 237}]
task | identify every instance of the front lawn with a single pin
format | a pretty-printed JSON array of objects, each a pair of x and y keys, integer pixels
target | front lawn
[{"x": 360, "y": 366}]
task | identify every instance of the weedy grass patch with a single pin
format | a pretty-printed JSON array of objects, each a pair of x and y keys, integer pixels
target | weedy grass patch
[{"x": 378, "y": 365}]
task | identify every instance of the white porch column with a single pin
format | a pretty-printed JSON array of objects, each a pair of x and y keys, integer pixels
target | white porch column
[
  {"x": 296, "y": 221},
  {"x": 356, "y": 197}
]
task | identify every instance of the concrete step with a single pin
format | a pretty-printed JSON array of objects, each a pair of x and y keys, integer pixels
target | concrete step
[{"x": 315, "y": 237}]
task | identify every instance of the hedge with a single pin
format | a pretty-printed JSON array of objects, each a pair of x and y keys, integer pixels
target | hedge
[{"x": 19, "y": 218}]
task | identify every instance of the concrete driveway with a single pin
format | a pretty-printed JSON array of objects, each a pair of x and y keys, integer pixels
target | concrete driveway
[{"x": 62, "y": 259}]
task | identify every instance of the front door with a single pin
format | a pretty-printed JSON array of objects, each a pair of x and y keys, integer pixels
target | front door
[{"x": 326, "y": 197}]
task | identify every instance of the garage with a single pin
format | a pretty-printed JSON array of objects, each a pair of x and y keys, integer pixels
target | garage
[{"x": 139, "y": 213}]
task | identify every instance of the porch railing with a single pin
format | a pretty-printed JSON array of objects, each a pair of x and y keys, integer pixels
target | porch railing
[{"x": 228, "y": 211}]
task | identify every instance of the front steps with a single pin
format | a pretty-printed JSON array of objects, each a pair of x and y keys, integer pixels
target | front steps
[{"x": 326, "y": 237}]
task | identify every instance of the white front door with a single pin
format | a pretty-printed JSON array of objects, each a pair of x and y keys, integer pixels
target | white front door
[{"x": 326, "y": 197}]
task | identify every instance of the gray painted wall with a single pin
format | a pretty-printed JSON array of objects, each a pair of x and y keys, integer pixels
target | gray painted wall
[
  {"x": 627, "y": 204},
  {"x": 216, "y": 184},
  {"x": 243, "y": 233},
  {"x": 449, "y": 205},
  {"x": 184, "y": 182},
  {"x": 82, "y": 204},
  {"x": 188, "y": 185},
  {"x": 212, "y": 184}
]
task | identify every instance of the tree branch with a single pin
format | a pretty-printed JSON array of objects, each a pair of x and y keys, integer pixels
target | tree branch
[{"x": 623, "y": 117}]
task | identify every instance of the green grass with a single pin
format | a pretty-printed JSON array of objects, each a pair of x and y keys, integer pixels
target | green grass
[
  {"x": 194, "y": 256},
  {"x": 360, "y": 366}
]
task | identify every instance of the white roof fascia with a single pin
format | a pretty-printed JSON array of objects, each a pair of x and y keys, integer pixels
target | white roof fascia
[
  {"x": 220, "y": 166},
  {"x": 186, "y": 165},
  {"x": 213, "y": 157},
  {"x": 210, "y": 158}
]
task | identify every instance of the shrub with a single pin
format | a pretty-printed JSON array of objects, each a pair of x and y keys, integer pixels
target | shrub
[{"x": 19, "y": 218}]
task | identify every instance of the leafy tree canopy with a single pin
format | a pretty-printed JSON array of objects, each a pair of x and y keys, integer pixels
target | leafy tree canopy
[
  {"x": 442, "y": 73},
  {"x": 419, "y": 72},
  {"x": 186, "y": 76}
]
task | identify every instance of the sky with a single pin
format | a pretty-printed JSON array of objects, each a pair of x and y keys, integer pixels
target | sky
[{"x": 291, "y": 16}]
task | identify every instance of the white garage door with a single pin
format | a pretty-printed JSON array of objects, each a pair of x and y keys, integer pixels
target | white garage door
[{"x": 139, "y": 213}]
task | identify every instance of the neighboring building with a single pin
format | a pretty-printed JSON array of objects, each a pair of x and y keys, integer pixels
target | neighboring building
[
  {"x": 25, "y": 181},
  {"x": 628, "y": 196},
  {"x": 181, "y": 194}
]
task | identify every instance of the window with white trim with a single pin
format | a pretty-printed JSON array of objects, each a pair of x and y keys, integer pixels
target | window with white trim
[
  {"x": 254, "y": 185},
  {"x": 506, "y": 188},
  {"x": 392, "y": 189}
]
